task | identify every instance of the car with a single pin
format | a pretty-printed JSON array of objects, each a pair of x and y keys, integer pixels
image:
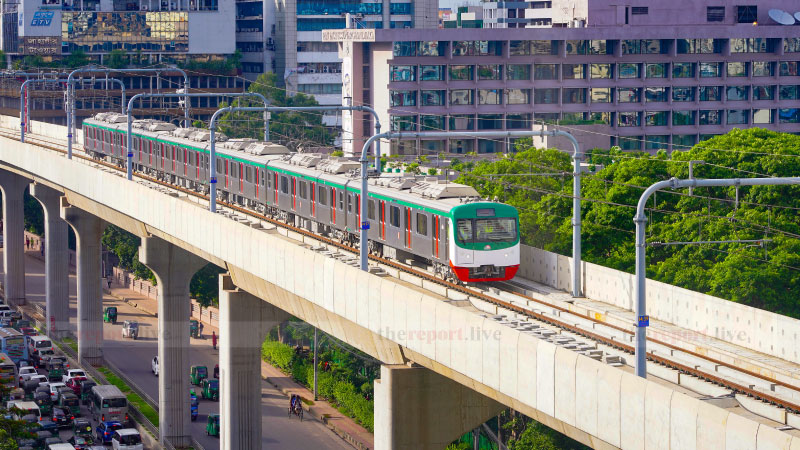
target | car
[
  {"x": 154, "y": 365},
  {"x": 126, "y": 439},
  {"x": 28, "y": 331},
  {"x": 105, "y": 430},
  {"x": 40, "y": 357},
  {"x": 54, "y": 391},
  {"x": 4, "y": 307},
  {"x": 62, "y": 417},
  {"x": 40, "y": 378},
  {"x": 81, "y": 442},
  {"x": 41, "y": 436},
  {"x": 75, "y": 384},
  {"x": 27, "y": 370},
  {"x": 52, "y": 441},
  {"x": 72, "y": 373}
]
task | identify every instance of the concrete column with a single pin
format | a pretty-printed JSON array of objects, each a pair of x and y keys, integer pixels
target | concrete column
[
  {"x": 56, "y": 256},
  {"x": 13, "y": 187},
  {"x": 416, "y": 408},
  {"x": 244, "y": 322},
  {"x": 88, "y": 231},
  {"x": 173, "y": 268}
]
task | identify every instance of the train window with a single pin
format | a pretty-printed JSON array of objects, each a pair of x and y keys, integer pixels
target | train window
[
  {"x": 349, "y": 203},
  {"x": 303, "y": 193},
  {"x": 219, "y": 166},
  {"x": 234, "y": 170},
  {"x": 422, "y": 224},
  {"x": 263, "y": 177},
  {"x": 285, "y": 185},
  {"x": 322, "y": 198},
  {"x": 464, "y": 230},
  {"x": 341, "y": 200},
  {"x": 371, "y": 210},
  {"x": 394, "y": 216}
]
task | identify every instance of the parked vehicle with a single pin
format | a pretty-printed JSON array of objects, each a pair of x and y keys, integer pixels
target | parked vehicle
[
  {"x": 212, "y": 425},
  {"x": 108, "y": 403},
  {"x": 154, "y": 365},
  {"x": 126, "y": 439},
  {"x": 105, "y": 430},
  {"x": 198, "y": 374},
  {"x": 62, "y": 417},
  {"x": 130, "y": 329},
  {"x": 110, "y": 314},
  {"x": 72, "y": 373},
  {"x": 210, "y": 389}
]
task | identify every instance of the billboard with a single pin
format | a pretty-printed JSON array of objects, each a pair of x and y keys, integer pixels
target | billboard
[{"x": 39, "y": 45}]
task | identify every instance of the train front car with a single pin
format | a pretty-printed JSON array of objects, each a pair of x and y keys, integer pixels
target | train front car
[{"x": 484, "y": 242}]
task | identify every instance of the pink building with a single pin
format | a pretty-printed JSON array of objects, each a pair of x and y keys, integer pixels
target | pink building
[{"x": 655, "y": 76}]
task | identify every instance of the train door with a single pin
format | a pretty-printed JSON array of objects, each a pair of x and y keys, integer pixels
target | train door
[
  {"x": 382, "y": 211},
  {"x": 333, "y": 206},
  {"x": 276, "y": 188},
  {"x": 294, "y": 193},
  {"x": 185, "y": 162},
  {"x": 150, "y": 153},
  {"x": 226, "y": 174},
  {"x": 358, "y": 211},
  {"x": 241, "y": 177},
  {"x": 197, "y": 160},
  {"x": 258, "y": 181},
  {"x": 407, "y": 230},
  {"x": 436, "y": 232},
  {"x": 313, "y": 200}
]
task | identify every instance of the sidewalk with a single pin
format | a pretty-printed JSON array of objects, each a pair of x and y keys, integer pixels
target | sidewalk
[{"x": 344, "y": 426}]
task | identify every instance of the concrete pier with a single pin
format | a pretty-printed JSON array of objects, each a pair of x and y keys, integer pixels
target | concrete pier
[
  {"x": 13, "y": 187},
  {"x": 88, "y": 231},
  {"x": 56, "y": 256},
  {"x": 174, "y": 268},
  {"x": 244, "y": 322}
]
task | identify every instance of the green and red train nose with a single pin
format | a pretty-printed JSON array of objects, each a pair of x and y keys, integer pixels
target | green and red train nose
[{"x": 485, "y": 240}]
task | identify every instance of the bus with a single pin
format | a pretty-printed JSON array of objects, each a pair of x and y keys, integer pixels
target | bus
[
  {"x": 12, "y": 343},
  {"x": 108, "y": 404},
  {"x": 8, "y": 372}
]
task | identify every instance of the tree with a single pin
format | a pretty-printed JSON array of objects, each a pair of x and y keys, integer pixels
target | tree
[
  {"x": 204, "y": 286},
  {"x": 117, "y": 59},
  {"x": 125, "y": 246},
  {"x": 77, "y": 58}
]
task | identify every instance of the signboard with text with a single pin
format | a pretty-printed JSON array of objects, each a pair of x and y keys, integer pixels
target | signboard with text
[
  {"x": 40, "y": 45},
  {"x": 348, "y": 35}
]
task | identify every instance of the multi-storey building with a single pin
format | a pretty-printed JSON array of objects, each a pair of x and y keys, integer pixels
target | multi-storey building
[
  {"x": 156, "y": 30},
  {"x": 465, "y": 17},
  {"x": 642, "y": 77},
  {"x": 255, "y": 36}
]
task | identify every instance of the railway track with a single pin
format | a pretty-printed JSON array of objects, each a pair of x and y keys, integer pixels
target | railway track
[{"x": 552, "y": 320}]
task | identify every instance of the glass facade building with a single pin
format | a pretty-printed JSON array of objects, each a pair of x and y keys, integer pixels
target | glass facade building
[{"x": 154, "y": 31}]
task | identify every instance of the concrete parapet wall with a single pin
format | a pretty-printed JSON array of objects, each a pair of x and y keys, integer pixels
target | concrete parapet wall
[{"x": 732, "y": 322}]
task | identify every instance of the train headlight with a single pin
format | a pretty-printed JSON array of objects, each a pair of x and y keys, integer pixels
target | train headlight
[{"x": 487, "y": 247}]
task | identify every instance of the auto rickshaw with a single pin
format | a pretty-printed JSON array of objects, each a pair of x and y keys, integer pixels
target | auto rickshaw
[
  {"x": 195, "y": 404},
  {"x": 69, "y": 401},
  {"x": 110, "y": 314},
  {"x": 55, "y": 369},
  {"x": 82, "y": 427},
  {"x": 130, "y": 329},
  {"x": 86, "y": 389},
  {"x": 44, "y": 402},
  {"x": 212, "y": 425},
  {"x": 17, "y": 394},
  {"x": 210, "y": 389},
  {"x": 198, "y": 374},
  {"x": 194, "y": 329}
]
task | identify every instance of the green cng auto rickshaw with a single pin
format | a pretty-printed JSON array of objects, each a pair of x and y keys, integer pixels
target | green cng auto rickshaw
[
  {"x": 55, "y": 368},
  {"x": 44, "y": 402},
  {"x": 82, "y": 427},
  {"x": 194, "y": 329},
  {"x": 212, "y": 425},
  {"x": 210, "y": 389},
  {"x": 69, "y": 401},
  {"x": 110, "y": 314},
  {"x": 198, "y": 374},
  {"x": 86, "y": 389}
]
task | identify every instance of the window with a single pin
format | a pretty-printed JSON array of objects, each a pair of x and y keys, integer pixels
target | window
[
  {"x": 593, "y": 47},
  {"x": 683, "y": 94},
  {"x": 602, "y": 71},
  {"x": 486, "y": 230},
  {"x": 601, "y": 95},
  {"x": 431, "y": 73},
  {"x": 462, "y": 97},
  {"x": 734, "y": 93},
  {"x": 681, "y": 141},
  {"x": 715, "y": 14},
  {"x": 403, "y": 123},
  {"x": 518, "y": 122},
  {"x": 518, "y": 96},
  {"x": 545, "y": 71},
  {"x": 284, "y": 184},
  {"x": 655, "y": 118},
  {"x": 788, "y": 93},
  {"x": 490, "y": 72},
  {"x": 710, "y": 70},
  {"x": 404, "y": 49},
  {"x": 394, "y": 216},
  {"x": 789, "y": 115},
  {"x": 644, "y": 46},
  {"x": 601, "y": 118},
  {"x": 763, "y": 92},
  {"x": 631, "y": 142},
  {"x": 573, "y": 95},
  {"x": 404, "y": 73},
  {"x": 738, "y": 116},
  {"x": 490, "y": 96},
  {"x": 545, "y": 96},
  {"x": 710, "y": 93},
  {"x": 752, "y": 45},
  {"x": 737, "y": 69},
  {"x": 689, "y": 46},
  {"x": 403, "y": 98},
  {"x": 628, "y": 70},
  {"x": 519, "y": 48},
  {"x": 682, "y": 118},
  {"x": 462, "y": 122},
  {"x": 710, "y": 117},
  {"x": 544, "y": 47},
  {"x": 322, "y": 196},
  {"x": 629, "y": 95},
  {"x": 682, "y": 70},
  {"x": 747, "y": 14},
  {"x": 573, "y": 71},
  {"x": 655, "y": 70},
  {"x": 763, "y": 69},
  {"x": 518, "y": 71},
  {"x": 763, "y": 116},
  {"x": 431, "y": 122},
  {"x": 431, "y": 48},
  {"x": 655, "y": 94},
  {"x": 341, "y": 200},
  {"x": 490, "y": 121},
  {"x": 791, "y": 45},
  {"x": 477, "y": 48},
  {"x": 422, "y": 224},
  {"x": 303, "y": 192},
  {"x": 461, "y": 73},
  {"x": 639, "y": 10},
  {"x": 656, "y": 142},
  {"x": 432, "y": 98},
  {"x": 629, "y": 119},
  {"x": 788, "y": 68}
]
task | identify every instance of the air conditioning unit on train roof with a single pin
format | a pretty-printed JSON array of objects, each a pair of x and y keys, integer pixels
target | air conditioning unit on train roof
[
  {"x": 238, "y": 144},
  {"x": 305, "y": 159},
  {"x": 266, "y": 148},
  {"x": 442, "y": 189},
  {"x": 157, "y": 125},
  {"x": 185, "y": 132},
  {"x": 394, "y": 182},
  {"x": 334, "y": 165},
  {"x": 205, "y": 136},
  {"x": 115, "y": 118}
]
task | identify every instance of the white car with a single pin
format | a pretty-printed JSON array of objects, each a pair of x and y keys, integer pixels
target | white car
[
  {"x": 4, "y": 307},
  {"x": 54, "y": 390},
  {"x": 40, "y": 378},
  {"x": 26, "y": 372},
  {"x": 126, "y": 439},
  {"x": 72, "y": 373},
  {"x": 154, "y": 365}
]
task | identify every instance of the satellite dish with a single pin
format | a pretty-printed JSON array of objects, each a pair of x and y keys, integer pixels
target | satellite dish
[
  {"x": 781, "y": 16},
  {"x": 797, "y": 16}
]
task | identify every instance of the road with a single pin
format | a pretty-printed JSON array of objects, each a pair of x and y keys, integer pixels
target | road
[{"x": 133, "y": 358}]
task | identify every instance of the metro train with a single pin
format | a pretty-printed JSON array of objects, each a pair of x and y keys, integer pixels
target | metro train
[{"x": 419, "y": 220}]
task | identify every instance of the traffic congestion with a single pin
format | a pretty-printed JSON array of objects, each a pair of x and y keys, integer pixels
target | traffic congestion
[{"x": 64, "y": 409}]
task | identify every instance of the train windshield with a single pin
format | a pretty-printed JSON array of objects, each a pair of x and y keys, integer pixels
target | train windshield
[{"x": 478, "y": 231}]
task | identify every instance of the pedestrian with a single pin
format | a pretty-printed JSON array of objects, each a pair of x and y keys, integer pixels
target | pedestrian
[
  {"x": 41, "y": 247},
  {"x": 108, "y": 280},
  {"x": 27, "y": 242},
  {"x": 214, "y": 339}
]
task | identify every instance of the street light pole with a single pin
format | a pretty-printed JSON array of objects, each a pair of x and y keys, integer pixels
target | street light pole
[{"x": 642, "y": 319}]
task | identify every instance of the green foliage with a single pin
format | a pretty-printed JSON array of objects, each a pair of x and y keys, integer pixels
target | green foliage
[
  {"x": 78, "y": 58},
  {"x": 413, "y": 168},
  {"x": 117, "y": 59},
  {"x": 539, "y": 437},
  {"x": 126, "y": 246},
  {"x": 34, "y": 214},
  {"x": 763, "y": 277},
  {"x": 199, "y": 124},
  {"x": 277, "y": 354},
  {"x": 432, "y": 171},
  {"x": 291, "y": 128},
  {"x": 226, "y": 65},
  {"x": 204, "y": 286},
  {"x": 337, "y": 153}
]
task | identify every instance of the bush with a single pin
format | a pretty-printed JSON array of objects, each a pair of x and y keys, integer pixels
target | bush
[{"x": 277, "y": 354}]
